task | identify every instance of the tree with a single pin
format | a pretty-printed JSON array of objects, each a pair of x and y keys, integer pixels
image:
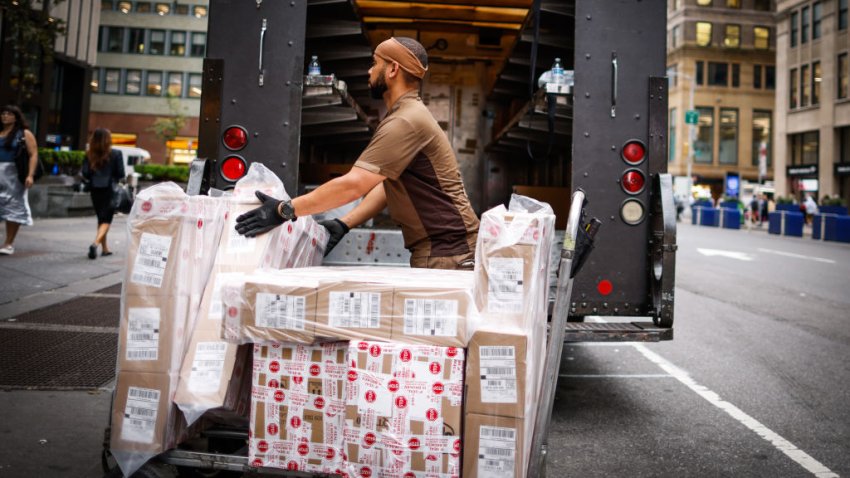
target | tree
[
  {"x": 167, "y": 128},
  {"x": 32, "y": 35}
]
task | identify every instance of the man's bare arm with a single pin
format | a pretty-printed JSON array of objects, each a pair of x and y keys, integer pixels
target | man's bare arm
[
  {"x": 336, "y": 192},
  {"x": 372, "y": 204}
]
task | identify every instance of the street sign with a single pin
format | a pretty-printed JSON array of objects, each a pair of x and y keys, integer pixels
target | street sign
[{"x": 691, "y": 117}]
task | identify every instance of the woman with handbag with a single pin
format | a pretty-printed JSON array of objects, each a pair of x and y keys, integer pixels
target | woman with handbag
[
  {"x": 15, "y": 139},
  {"x": 103, "y": 168}
]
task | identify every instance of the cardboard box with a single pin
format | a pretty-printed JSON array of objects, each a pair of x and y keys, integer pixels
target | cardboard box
[
  {"x": 354, "y": 310},
  {"x": 236, "y": 249},
  {"x": 435, "y": 315},
  {"x": 142, "y": 411},
  {"x": 297, "y": 407},
  {"x": 153, "y": 251},
  {"x": 496, "y": 374},
  {"x": 403, "y": 409},
  {"x": 493, "y": 447},
  {"x": 151, "y": 333}
]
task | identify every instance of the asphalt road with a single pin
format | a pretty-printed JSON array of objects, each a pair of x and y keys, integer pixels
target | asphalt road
[{"x": 755, "y": 383}]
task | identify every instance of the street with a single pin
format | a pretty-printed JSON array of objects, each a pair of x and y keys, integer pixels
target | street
[{"x": 755, "y": 382}]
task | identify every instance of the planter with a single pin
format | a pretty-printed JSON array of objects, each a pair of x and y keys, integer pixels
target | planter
[{"x": 839, "y": 210}]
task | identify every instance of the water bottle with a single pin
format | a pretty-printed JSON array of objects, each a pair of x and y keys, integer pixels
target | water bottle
[
  {"x": 314, "y": 69},
  {"x": 558, "y": 72}
]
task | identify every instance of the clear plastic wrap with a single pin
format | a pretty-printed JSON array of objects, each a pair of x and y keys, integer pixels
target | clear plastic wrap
[
  {"x": 430, "y": 307},
  {"x": 506, "y": 353}
]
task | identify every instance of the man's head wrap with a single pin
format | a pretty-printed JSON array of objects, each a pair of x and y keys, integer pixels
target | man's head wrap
[{"x": 392, "y": 50}]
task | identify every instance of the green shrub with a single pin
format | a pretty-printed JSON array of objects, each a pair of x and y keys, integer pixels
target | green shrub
[
  {"x": 69, "y": 162},
  {"x": 162, "y": 172},
  {"x": 784, "y": 200}
]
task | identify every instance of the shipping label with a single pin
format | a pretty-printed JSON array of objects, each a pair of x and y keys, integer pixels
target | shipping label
[
  {"x": 505, "y": 287},
  {"x": 140, "y": 412},
  {"x": 279, "y": 311},
  {"x": 207, "y": 367},
  {"x": 355, "y": 310},
  {"x": 432, "y": 317},
  {"x": 149, "y": 268},
  {"x": 143, "y": 333},
  {"x": 498, "y": 374},
  {"x": 496, "y": 452},
  {"x": 237, "y": 243}
]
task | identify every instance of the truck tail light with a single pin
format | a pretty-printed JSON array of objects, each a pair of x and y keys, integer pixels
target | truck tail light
[
  {"x": 235, "y": 138},
  {"x": 633, "y": 181},
  {"x": 634, "y": 152},
  {"x": 632, "y": 212},
  {"x": 233, "y": 168}
]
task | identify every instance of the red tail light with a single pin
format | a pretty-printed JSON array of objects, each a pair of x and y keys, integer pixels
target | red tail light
[
  {"x": 235, "y": 138},
  {"x": 633, "y": 181},
  {"x": 634, "y": 152},
  {"x": 233, "y": 168}
]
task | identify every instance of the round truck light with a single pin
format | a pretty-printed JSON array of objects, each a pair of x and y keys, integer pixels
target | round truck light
[
  {"x": 235, "y": 138},
  {"x": 632, "y": 212},
  {"x": 633, "y": 181},
  {"x": 634, "y": 152},
  {"x": 233, "y": 168}
]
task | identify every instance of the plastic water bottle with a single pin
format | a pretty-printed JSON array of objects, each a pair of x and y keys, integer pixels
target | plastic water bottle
[
  {"x": 558, "y": 73},
  {"x": 314, "y": 69}
]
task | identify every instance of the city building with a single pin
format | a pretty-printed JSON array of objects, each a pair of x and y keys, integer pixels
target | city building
[
  {"x": 813, "y": 99},
  {"x": 721, "y": 64},
  {"x": 149, "y": 72},
  {"x": 53, "y": 95}
]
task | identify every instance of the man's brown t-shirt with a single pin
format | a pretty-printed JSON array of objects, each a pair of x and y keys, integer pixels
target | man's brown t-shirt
[{"x": 425, "y": 192}]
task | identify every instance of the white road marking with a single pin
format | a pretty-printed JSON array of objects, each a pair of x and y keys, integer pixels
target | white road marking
[
  {"x": 802, "y": 458},
  {"x": 616, "y": 375},
  {"x": 797, "y": 256},
  {"x": 741, "y": 256}
]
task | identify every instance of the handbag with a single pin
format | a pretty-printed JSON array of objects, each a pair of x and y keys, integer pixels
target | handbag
[
  {"x": 22, "y": 162},
  {"x": 122, "y": 200}
]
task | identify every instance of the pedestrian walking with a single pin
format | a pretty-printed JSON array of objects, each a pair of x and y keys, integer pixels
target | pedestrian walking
[
  {"x": 811, "y": 208},
  {"x": 755, "y": 210},
  {"x": 15, "y": 139},
  {"x": 103, "y": 168}
]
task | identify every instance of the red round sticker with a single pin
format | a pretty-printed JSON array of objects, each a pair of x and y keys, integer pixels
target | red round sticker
[
  {"x": 292, "y": 466},
  {"x": 314, "y": 242},
  {"x": 435, "y": 368},
  {"x": 272, "y": 429},
  {"x": 369, "y": 439},
  {"x": 274, "y": 366},
  {"x": 393, "y": 385},
  {"x": 263, "y": 446},
  {"x": 330, "y": 454},
  {"x": 410, "y": 474},
  {"x": 375, "y": 350},
  {"x": 365, "y": 472},
  {"x": 413, "y": 444},
  {"x": 319, "y": 403},
  {"x": 273, "y": 383},
  {"x": 200, "y": 223},
  {"x": 147, "y": 206},
  {"x": 405, "y": 355},
  {"x": 352, "y": 375},
  {"x": 456, "y": 446},
  {"x": 315, "y": 370},
  {"x": 451, "y": 351},
  {"x": 362, "y": 346},
  {"x": 297, "y": 379},
  {"x": 232, "y": 311},
  {"x": 289, "y": 228},
  {"x": 397, "y": 451},
  {"x": 437, "y": 388},
  {"x": 370, "y": 396},
  {"x": 401, "y": 402},
  {"x": 432, "y": 414},
  {"x": 278, "y": 396},
  {"x": 431, "y": 457},
  {"x": 303, "y": 449},
  {"x": 257, "y": 463},
  {"x": 295, "y": 422}
]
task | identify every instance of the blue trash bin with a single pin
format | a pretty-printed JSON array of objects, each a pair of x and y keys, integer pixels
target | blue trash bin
[
  {"x": 710, "y": 217},
  {"x": 731, "y": 218},
  {"x": 842, "y": 228},
  {"x": 774, "y": 222},
  {"x": 793, "y": 224}
]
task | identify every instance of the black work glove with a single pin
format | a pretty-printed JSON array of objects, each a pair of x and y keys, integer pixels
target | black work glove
[
  {"x": 336, "y": 229},
  {"x": 262, "y": 219}
]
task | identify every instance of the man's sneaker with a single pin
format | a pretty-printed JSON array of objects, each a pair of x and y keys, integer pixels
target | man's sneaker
[{"x": 7, "y": 250}]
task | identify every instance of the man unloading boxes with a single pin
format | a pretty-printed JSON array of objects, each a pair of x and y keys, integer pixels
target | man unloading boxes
[{"x": 409, "y": 166}]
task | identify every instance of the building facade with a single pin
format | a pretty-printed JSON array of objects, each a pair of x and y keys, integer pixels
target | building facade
[
  {"x": 813, "y": 99},
  {"x": 721, "y": 64},
  {"x": 54, "y": 96},
  {"x": 149, "y": 71}
]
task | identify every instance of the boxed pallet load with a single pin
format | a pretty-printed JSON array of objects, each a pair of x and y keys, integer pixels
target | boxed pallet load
[
  {"x": 434, "y": 307},
  {"x": 354, "y": 308},
  {"x": 403, "y": 410},
  {"x": 493, "y": 446},
  {"x": 496, "y": 374},
  {"x": 298, "y": 407}
]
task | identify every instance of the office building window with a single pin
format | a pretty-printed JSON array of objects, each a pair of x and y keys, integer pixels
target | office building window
[
  {"x": 761, "y": 136},
  {"x": 178, "y": 44},
  {"x": 671, "y": 148},
  {"x": 162, "y": 9},
  {"x": 770, "y": 77},
  {"x": 762, "y": 5},
  {"x": 673, "y": 75},
  {"x": 703, "y": 33},
  {"x": 816, "y": 80},
  {"x": 112, "y": 81},
  {"x": 175, "y": 84},
  {"x": 106, "y": 5},
  {"x": 157, "y": 43},
  {"x": 733, "y": 3},
  {"x": 181, "y": 9},
  {"x": 757, "y": 77},
  {"x": 842, "y": 14},
  {"x": 133, "y": 82},
  {"x": 125, "y": 7},
  {"x": 704, "y": 142},
  {"x": 143, "y": 7},
  {"x": 761, "y": 38},
  {"x": 718, "y": 74},
  {"x": 736, "y": 75},
  {"x": 199, "y": 11},
  {"x": 804, "y": 25},
  {"x": 676, "y": 36},
  {"x": 137, "y": 40},
  {"x": 732, "y": 36},
  {"x": 728, "y": 136},
  {"x": 95, "y": 80},
  {"x": 794, "y": 23},
  {"x": 805, "y": 86},
  {"x": 842, "y": 76},
  {"x": 844, "y": 145},
  {"x": 199, "y": 44},
  {"x": 793, "y": 91},
  {"x": 817, "y": 14},
  {"x": 194, "y": 85},
  {"x": 153, "y": 86},
  {"x": 704, "y": 3},
  {"x": 700, "y": 72},
  {"x": 804, "y": 148},
  {"x": 113, "y": 39}
]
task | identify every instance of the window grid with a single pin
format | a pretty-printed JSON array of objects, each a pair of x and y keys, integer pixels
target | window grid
[
  {"x": 761, "y": 38},
  {"x": 757, "y": 77},
  {"x": 804, "y": 25},
  {"x": 732, "y": 36},
  {"x": 704, "y": 142},
  {"x": 703, "y": 33},
  {"x": 793, "y": 91},
  {"x": 761, "y": 136},
  {"x": 816, "y": 80},
  {"x": 805, "y": 85},
  {"x": 794, "y": 28},
  {"x": 842, "y": 76},
  {"x": 728, "y": 131},
  {"x": 817, "y": 14}
]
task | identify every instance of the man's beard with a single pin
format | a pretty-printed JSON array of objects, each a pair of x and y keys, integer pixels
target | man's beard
[{"x": 379, "y": 88}]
